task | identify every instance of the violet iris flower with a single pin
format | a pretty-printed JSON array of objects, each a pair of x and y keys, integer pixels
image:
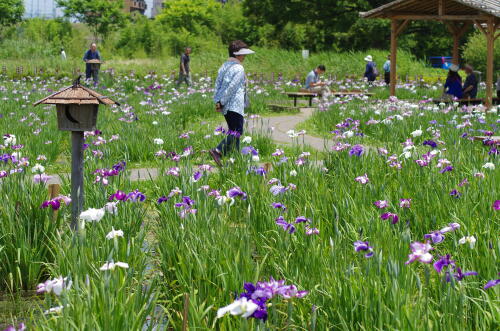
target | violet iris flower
[
  {"x": 381, "y": 203},
  {"x": 236, "y": 192},
  {"x": 443, "y": 261},
  {"x": 496, "y": 205},
  {"x": 455, "y": 194},
  {"x": 363, "y": 246},
  {"x": 405, "y": 203},
  {"x": 459, "y": 275},
  {"x": 356, "y": 150},
  {"x": 435, "y": 236},
  {"x": 446, "y": 169},
  {"x": 118, "y": 195},
  {"x": 420, "y": 252},
  {"x": 430, "y": 143},
  {"x": 135, "y": 196},
  {"x": 491, "y": 283},
  {"x": 278, "y": 205},
  {"x": 302, "y": 219},
  {"x": 394, "y": 218},
  {"x": 450, "y": 228},
  {"x": 249, "y": 150},
  {"x": 290, "y": 228},
  {"x": 196, "y": 176}
]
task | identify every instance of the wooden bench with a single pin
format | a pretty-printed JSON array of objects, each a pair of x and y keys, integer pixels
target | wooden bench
[{"x": 296, "y": 95}]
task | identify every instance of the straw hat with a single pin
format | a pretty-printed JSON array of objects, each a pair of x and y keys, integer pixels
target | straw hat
[{"x": 369, "y": 58}]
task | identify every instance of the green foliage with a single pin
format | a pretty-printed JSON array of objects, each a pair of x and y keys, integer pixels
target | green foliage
[
  {"x": 102, "y": 16},
  {"x": 192, "y": 15},
  {"x": 11, "y": 12},
  {"x": 475, "y": 53}
]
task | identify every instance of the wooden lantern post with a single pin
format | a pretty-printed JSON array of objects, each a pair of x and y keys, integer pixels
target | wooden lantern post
[{"x": 77, "y": 108}]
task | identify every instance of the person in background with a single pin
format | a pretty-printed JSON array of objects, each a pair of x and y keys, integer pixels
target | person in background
[
  {"x": 313, "y": 83},
  {"x": 91, "y": 54},
  {"x": 471, "y": 82},
  {"x": 370, "y": 69},
  {"x": 184, "y": 71},
  {"x": 453, "y": 84},
  {"x": 387, "y": 70},
  {"x": 63, "y": 54},
  {"x": 231, "y": 98}
]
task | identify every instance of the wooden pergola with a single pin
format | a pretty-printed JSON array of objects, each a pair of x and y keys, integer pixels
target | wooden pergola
[{"x": 457, "y": 15}]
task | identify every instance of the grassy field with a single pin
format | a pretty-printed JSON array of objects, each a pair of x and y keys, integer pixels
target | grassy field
[{"x": 400, "y": 174}]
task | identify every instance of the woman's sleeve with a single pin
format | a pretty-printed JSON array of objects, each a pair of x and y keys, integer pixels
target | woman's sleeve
[
  {"x": 218, "y": 82},
  {"x": 237, "y": 80}
]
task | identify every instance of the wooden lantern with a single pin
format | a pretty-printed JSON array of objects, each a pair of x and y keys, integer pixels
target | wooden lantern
[{"x": 77, "y": 108}]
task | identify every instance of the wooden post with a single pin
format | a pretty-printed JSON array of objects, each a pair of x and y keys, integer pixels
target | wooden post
[
  {"x": 394, "y": 50},
  {"x": 76, "y": 177},
  {"x": 54, "y": 190},
  {"x": 185, "y": 313},
  {"x": 456, "y": 45},
  {"x": 490, "y": 62}
]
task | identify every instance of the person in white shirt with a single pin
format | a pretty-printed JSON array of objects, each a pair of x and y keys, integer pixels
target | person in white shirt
[{"x": 63, "y": 54}]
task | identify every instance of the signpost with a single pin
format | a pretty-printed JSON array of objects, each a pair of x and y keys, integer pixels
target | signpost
[{"x": 77, "y": 108}]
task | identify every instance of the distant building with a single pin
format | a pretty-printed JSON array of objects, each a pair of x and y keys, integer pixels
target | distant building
[
  {"x": 158, "y": 5},
  {"x": 131, "y": 6}
]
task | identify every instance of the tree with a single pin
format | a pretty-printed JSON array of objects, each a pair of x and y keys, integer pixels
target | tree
[
  {"x": 101, "y": 16},
  {"x": 11, "y": 12}
]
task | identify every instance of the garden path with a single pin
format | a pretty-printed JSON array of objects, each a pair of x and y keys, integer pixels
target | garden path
[{"x": 276, "y": 126}]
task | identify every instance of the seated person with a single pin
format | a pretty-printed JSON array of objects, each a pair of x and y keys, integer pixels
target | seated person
[
  {"x": 470, "y": 85},
  {"x": 313, "y": 84},
  {"x": 453, "y": 85}
]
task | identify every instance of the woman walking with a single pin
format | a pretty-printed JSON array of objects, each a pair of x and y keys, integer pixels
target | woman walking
[{"x": 231, "y": 98}]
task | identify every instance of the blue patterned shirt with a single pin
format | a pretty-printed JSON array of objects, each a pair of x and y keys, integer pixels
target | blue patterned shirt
[{"x": 230, "y": 87}]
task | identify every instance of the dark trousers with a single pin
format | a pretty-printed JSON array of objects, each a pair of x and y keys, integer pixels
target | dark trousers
[
  {"x": 92, "y": 73},
  {"x": 387, "y": 78},
  {"x": 498, "y": 94},
  {"x": 232, "y": 140}
]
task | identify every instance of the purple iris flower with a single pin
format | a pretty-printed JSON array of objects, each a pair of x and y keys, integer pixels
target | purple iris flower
[
  {"x": 302, "y": 219},
  {"x": 443, "y": 261},
  {"x": 278, "y": 205},
  {"x": 493, "y": 151},
  {"x": 420, "y": 252},
  {"x": 363, "y": 246},
  {"x": 455, "y": 194},
  {"x": 405, "y": 203},
  {"x": 491, "y": 283},
  {"x": 249, "y": 150},
  {"x": 381, "y": 203},
  {"x": 356, "y": 150},
  {"x": 236, "y": 192},
  {"x": 459, "y": 275},
  {"x": 20, "y": 327},
  {"x": 430, "y": 143},
  {"x": 162, "y": 199},
  {"x": 394, "y": 218},
  {"x": 496, "y": 205},
  {"x": 446, "y": 169},
  {"x": 196, "y": 176},
  {"x": 135, "y": 196},
  {"x": 290, "y": 228},
  {"x": 450, "y": 228},
  {"x": 435, "y": 236},
  {"x": 120, "y": 166},
  {"x": 118, "y": 195}
]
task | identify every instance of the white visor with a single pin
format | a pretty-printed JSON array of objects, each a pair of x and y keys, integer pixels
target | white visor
[
  {"x": 454, "y": 68},
  {"x": 244, "y": 51}
]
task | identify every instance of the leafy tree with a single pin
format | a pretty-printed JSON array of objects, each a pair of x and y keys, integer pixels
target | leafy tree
[
  {"x": 101, "y": 16},
  {"x": 11, "y": 12},
  {"x": 191, "y": 15}
]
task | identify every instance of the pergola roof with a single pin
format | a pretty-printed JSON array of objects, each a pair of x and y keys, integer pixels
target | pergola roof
[{"x": 446, "y": 9}]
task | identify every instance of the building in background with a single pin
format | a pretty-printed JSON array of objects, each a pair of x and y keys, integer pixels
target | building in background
[
  {"x": 158, "y": 5},
  {"x": 131, "y": 6}
]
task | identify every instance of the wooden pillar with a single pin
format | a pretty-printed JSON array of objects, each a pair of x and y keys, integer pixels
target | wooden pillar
[
  {"x": 394, "y": 50},
  {"x": 77, "y": 140},
  {"x": 490, "y": 38},
  {"x": 456, "y": 45}
]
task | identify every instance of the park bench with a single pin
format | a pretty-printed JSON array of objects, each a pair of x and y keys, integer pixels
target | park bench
[{"x": 297, "y": 95}]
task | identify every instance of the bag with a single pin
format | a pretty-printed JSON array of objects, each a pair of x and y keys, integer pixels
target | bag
[{"x": 375, "y": 70}]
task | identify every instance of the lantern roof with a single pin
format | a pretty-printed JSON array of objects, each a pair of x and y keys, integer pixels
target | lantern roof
[{"x": 76, "y": 94}]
